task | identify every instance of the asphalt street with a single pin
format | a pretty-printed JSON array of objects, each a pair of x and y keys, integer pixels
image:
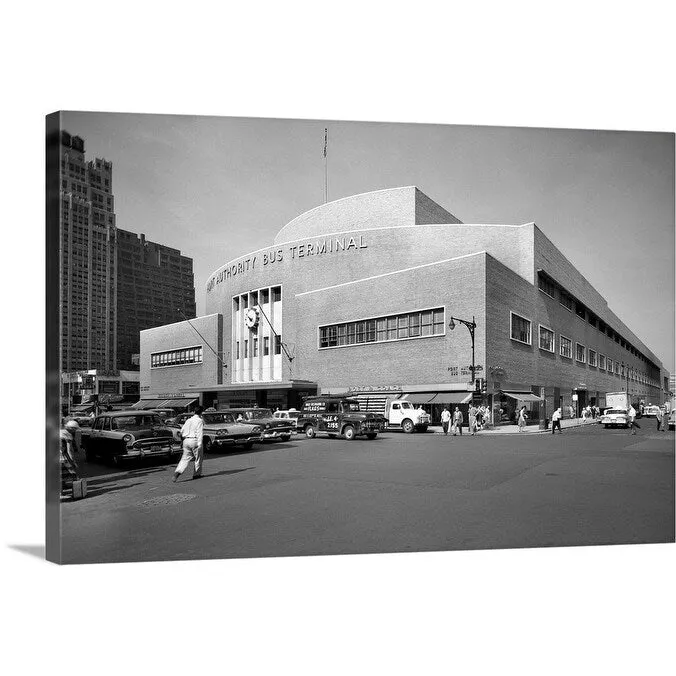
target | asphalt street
[{"x": 398, "y": 493}]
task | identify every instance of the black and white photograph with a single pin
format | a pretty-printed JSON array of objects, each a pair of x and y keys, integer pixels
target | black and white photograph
[{"x": 305, "y": 337}]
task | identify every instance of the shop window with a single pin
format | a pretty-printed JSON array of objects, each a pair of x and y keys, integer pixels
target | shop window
[
  {"x": 546, "y": 341},
  {"x": 580, "y": 352},
  {"x": 520, "y": 329}
]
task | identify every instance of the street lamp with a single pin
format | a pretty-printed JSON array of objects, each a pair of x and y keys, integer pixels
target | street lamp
[{"x": 471, "y": 326}]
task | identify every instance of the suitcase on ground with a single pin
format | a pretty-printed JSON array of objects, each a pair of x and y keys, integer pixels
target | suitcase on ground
[{"x": 79, "y": 489}]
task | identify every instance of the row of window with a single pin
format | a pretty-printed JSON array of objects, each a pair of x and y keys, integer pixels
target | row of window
[
  {"x": 381, "y": 329},
  {"x": 188, "y": 355},
  {"x": 549, "y": 287},
  {"x": 521, "y": 332},
  {"x": 261, "y": 297},
  {"x": 244, "y": 352}
]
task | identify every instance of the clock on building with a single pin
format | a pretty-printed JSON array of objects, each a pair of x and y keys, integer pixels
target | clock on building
[{"x": 251, "y": 318}]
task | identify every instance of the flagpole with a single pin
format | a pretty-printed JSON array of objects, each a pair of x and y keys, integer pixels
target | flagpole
[{"x": 326, "y": 165}]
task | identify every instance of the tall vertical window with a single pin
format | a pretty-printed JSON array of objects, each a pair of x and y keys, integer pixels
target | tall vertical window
[
  {"x": 246, "y": 349},
  {"x": 592, "y": 357},
  {"x": 602, "y": 362},
  {"x": 546, "y": 339},
  {"x": 276, "y": 293},
  {"x": 266, "y": 346},
  {"x": 278, "y": 344},
  {"x": 565, "y": 347},
  {"x": 520, "y": 329},
  {"x": 579, "y": 352},
  {"x": 237, "y": 350},
  {"x": 254, "y": 347},
  {"x": 610, "y": 365}
]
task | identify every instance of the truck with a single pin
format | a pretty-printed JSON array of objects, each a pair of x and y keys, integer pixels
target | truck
[
  {"x": 403, "y": 415},
  {"x": 618, "y": 400},
  {"x": 338, "y": 416}
]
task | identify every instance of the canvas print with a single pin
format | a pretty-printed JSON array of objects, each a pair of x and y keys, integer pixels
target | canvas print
[{"x": 305, "y": 337}]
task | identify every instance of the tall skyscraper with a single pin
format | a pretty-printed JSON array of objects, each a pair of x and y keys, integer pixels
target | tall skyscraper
[
  {"x": 114, "y": 283},
  {"x": 155, "y": 287},
  {"x": 88, "y": 260}
]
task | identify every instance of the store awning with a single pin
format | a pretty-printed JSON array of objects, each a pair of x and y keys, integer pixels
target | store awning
[
  {"x": 420, "y": 397},
  {"x": 178, "y": 403},
  {"x": 452, "y": 398},
  {"x": 523, "y": 396}
]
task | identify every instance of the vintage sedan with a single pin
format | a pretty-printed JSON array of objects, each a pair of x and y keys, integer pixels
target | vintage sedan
[
  {"x": 222, "y": 430},
  {"x": 274, "y": 429},
  {"x": 615, "y": 417},
  {"x": 292, "y": 414},
  {"x": 122, "y": 435},
  {"x": 651, "y": 411}
]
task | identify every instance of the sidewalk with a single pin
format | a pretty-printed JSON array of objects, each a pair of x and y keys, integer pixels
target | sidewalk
[{"x": 530, "y": 429}]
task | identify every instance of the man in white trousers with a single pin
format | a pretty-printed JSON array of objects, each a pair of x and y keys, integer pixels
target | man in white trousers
[{"x": 191, "y": 433}]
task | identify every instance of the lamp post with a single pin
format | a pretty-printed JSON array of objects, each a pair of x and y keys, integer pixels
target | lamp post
[{"x": 471, "y": 326}]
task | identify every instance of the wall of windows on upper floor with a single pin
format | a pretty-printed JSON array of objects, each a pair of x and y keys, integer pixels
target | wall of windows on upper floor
[
  {"x": 403, "y": 326},
  {"x": 521, "y": 331},
  {"x": 553, "y": 290}
]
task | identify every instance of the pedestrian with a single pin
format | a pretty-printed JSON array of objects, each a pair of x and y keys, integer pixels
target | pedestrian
[
  {"x": 70, "y": 443},
  {"x": 658, "y": 418},
  {"x": 479, "y": 418},
  {"x": 523, "y": 416},
  {"x": 457, "y": 421},
  {"x": 556, "y": 421},
  {"x": 472, "y": 419},
  {"x": 665, "y": 416},
  {"x": 191, "y": 433},
  {"x": 445, "y": 419},
  {"x": 632, "y": 419}
]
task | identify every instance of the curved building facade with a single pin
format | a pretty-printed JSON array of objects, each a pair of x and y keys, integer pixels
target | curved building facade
[{"x": 356, "y": 296}]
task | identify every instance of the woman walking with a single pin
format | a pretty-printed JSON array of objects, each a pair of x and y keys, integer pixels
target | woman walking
[{"x": 523, "y": 416}]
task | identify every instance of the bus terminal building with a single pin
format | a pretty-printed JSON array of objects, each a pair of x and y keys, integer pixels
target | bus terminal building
[{"x": 356, "y": 296}]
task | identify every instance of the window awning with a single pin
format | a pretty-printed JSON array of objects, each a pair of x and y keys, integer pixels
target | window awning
[
  {"x": 523, "y": 396},
  {"x": 419, "y": 397},
  {"x": 452, "y": 398},
  {"x": 178, "y": 403}
]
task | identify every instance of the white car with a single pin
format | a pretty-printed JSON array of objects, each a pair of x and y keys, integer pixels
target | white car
[
  {"x": 615, "y": 417},
  {"x": 651, "y": 411},
  {"x": 292, "y": 414}
]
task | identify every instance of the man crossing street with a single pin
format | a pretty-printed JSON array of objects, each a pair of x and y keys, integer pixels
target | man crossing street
[{"x": 191, "y": 433}]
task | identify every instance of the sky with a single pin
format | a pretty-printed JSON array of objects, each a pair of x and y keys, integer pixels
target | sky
[{"x": 218, "y": 187}]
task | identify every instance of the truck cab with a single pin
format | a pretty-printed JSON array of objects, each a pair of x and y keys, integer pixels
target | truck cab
[{"x": 403, "y": 414}]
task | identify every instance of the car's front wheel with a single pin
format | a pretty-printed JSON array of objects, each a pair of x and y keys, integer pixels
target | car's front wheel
[
  {"x": 310, "y": 431},
  {"x": 407, "y": 426},
  {"x": 349, "y": 433}
]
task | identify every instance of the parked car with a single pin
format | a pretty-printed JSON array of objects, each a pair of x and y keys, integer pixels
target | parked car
[
  {"x": 651, "y": 411},
  {"x": 615, "y": 417},
  {"x": 276, "y": 429},
  {"x": 339, "y": 416},
  {"x": 672, "y": 419},
  {"x": 164, "y": 413},
  {"x": 221, "y": 429},
  {"x": 292, "y": 414},
  {"x": 123, "y": 435}
]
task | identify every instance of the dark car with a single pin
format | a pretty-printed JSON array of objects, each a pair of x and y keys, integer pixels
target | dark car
[
  {"x": 339, "y": 416},
  {"x": 274, "y": 429},
  {"x": 123, "y": 435}
]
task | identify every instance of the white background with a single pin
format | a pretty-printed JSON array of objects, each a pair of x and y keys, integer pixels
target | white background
[{"x": 585, "y": 610}]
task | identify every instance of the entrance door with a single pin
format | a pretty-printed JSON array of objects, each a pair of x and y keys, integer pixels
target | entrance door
[{"x": 581, "y": 401}]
